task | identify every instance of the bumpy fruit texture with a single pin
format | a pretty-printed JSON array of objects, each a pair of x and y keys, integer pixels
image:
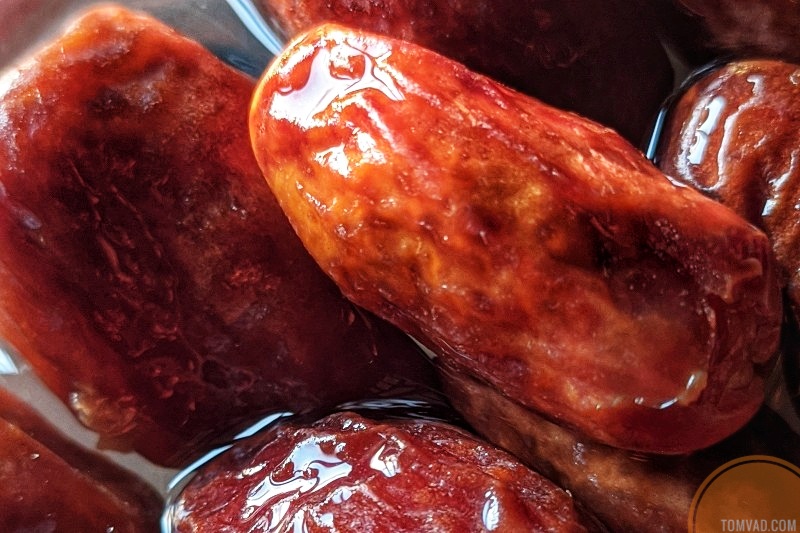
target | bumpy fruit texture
[
  {"x": 704, "y": 29},
  {"x": 51, "y": 484},
  {"x": 600, "y": 58},
  {"x": 349, "y": 473},
  {"x": 146, "y": 270},
  {"x": 627, "y": 492},
  {"x": 529, "y": 247},
  {"x": 734, "y": 135}
]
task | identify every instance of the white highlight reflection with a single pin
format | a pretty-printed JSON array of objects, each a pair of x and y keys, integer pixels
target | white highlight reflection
[
  {"x": 697, "y": 151},
  {"x": 491, "y": 511},
  {"x": 7, "y": 364}
]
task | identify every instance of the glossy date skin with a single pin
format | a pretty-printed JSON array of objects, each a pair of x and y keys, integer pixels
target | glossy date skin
[
  {"x": 627, "y": 492},
  {"x": 147, "y": 272},
  {"x": 524, "y": 245},
  {"x": 51, "y": 484},
  {"x": 599, "y": 58},
  {"x": 704, "y": 29},
  {"x": 734, "y": 135},
  {"x": 350, "y": 473}
]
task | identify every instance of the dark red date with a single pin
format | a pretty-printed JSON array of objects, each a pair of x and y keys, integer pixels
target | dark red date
[
  {"x": 599, "y": 58},
  {"x": 527, "y": 246},
  {"x": 349, "y": 473},
  {"x": 627, "y": 492},
  {"x": 734, "y": 135},
  {"x": 146, "y": 271}
]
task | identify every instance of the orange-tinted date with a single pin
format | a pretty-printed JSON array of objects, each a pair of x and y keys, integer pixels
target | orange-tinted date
[
  {"x": 349, "y": 473},
  {"x": 146, "y": 270},
  {"x": 599, "y": 58},
  {"x": 527, "y": 246},
  {"x": 51, "y": 484}
]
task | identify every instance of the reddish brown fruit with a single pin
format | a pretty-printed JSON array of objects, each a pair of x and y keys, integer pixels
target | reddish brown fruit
[
  {"x": 527, "y": 246},
  {"x": 349, "y": 473},
  {"x": 51, "y": 484},
  {"x": 734, "y": 135},
  {"x": 627, "y": 492},
  {"x": 599, "y": 58},
  {"x": 147, "y": 272}
]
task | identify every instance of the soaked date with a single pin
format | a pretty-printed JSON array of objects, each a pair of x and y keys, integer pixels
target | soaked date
[
  {"x": 146, "y": 271},
  {"x": 733, "y": 135},
  {"x": 526, "y": 246},
  {"x": 626, "y": 491},
  {"x": 599, "y": 58},
  {"x": 350, "y": 473}
]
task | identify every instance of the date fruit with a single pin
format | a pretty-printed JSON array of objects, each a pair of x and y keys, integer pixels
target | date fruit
[
  {"x": 526, "y": 246},
  {"x": 349, "y": 473},
  {"x": 627, "y": 492},
  {"x": 599, "y": 58},
  {"x": 148, "y": 274},
  {"x": 734, "y": 134},
  {"x": 51, "y": 484}
]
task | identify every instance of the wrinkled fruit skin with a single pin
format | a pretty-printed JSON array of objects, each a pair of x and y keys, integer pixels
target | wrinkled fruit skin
[
  {"x": 51, "y": 484},
  {"x": 528, "y": 247},
  {"x": 599, "y": 58},
  {"x": 627, "y": 492},
  {"x": 703, "y": 29},
  {"x": 349, "y": 473},
  {"x": 733, "y": 134},
  {"x": 146, "y": 270}
]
